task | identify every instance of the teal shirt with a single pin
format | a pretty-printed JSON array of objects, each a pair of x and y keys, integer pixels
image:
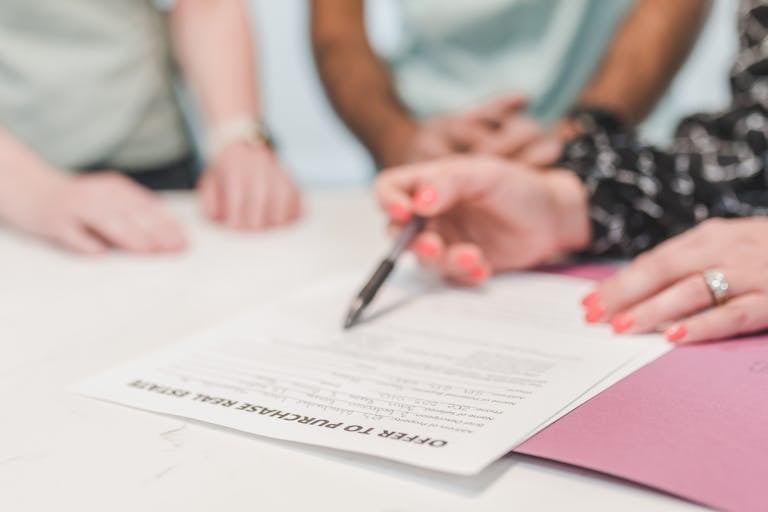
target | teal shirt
[{"x": 460, "y": 53}]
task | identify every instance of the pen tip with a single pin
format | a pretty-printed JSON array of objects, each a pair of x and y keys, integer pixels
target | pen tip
[{"x": 353, "y": 315}]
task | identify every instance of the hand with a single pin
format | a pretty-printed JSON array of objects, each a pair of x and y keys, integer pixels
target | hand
[
  {"x": 486, "y": 214},
  {"x": 664, "y": 288},
  {"x": 246, "y": 188},
  {"x": 462, "y": 132},
  {"x": 90, "y": 213},
  {"x": 522, "y": 138}
]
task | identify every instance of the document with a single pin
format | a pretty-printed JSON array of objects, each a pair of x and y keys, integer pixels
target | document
[{"x": 444, "y": 378}]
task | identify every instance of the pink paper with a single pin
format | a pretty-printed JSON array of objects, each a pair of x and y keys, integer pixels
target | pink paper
[{"x": 693, "y": 423}]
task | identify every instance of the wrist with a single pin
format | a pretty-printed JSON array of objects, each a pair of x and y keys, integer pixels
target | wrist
[
  {"x": 394, "y": 148},
  {"x": 571, "y": 209},
  {"x": 235, "y": 132}
]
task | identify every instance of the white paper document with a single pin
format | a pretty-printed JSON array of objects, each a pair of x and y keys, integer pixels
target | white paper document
[{"x": 442, "y": 378}]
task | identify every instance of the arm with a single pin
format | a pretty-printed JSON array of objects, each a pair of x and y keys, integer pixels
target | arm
[
  {"x": 357, "y": 82},
  {"x": 244, "y": 186},
  {"x": 86, "y": 214},
  {"x": 646, "y": 52},
  {"x": 212, "y": 41}
]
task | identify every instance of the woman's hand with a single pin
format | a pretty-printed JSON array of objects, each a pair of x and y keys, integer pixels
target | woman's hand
[
  {"x": 247, "y": 189},
  {"x": 665, "y": 288},
  {"x": 486, "y": 214},
  {"x": 91, "y": 213}
]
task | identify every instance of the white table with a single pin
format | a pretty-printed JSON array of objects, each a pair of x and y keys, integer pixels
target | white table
[{"x": 63, "y": 318}]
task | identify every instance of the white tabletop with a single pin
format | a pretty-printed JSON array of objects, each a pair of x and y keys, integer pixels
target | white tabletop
[{"x": 63, "y": 318}]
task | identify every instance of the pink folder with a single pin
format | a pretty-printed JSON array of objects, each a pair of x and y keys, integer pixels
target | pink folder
[{"x": 693, "y": 423}]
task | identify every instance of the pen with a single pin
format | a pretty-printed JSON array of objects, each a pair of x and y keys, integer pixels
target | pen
[{"x": 370, "y": 289}]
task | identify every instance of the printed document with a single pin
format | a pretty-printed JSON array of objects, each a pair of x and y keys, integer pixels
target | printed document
[{"x": 443, "y": 378}]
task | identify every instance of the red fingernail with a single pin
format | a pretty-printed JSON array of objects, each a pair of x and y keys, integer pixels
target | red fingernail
[
  {"x": 590, "y": 298},
  {"x": 676, "y": 332},
  {"x": 425, "y": 198},
  {"x": 398, "y": 212},
  {"x": 425, "y": 248},
  {"x": 622, "y": 322},
  {"x": 466, "y": 260},
  {"x": 594, "y": 313},
  {"x": 478, "y": 274}
]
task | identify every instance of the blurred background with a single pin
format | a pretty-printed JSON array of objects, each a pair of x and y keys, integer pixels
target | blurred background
[{"x": 320, "y": 151}]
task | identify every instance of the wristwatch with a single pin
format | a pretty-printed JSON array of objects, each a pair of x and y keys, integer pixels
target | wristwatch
[
  {"x": 594, "y": 119},
  {"x": 236, "y": 129}
]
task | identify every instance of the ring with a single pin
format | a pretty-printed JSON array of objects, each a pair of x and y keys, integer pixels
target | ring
[{"x": 718, "y": 286}]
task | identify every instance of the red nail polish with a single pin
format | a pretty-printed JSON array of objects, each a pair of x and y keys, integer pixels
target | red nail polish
[
  {"x": 425, "y": 248},
  {"x": 594, "y": 313},
  {"x": 398, "y": 212},
  {"x": 425, "y": 198},
  {"x": 466, "y": 260},
  {"x": 676, "y": 332},
  {"x": 590, "y": 298},
  {"x": 478, "y": 274},
  {"x": 622, "y": 322}
]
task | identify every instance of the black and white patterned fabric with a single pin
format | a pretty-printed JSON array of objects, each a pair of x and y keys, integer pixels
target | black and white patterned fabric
[{"x": 716, "y": 166}]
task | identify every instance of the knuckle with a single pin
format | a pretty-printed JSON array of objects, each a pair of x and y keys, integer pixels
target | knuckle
[{"x": 739, "y": 319}]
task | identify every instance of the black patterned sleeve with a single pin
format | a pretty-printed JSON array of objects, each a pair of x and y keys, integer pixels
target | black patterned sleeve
[{"x": 716, "y": 166}]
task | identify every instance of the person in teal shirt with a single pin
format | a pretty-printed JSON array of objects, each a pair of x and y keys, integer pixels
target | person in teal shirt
[{"x": 498, "y": 76}]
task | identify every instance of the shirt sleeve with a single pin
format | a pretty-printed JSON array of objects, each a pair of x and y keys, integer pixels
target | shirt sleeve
[{"x": 716, "y": 167}]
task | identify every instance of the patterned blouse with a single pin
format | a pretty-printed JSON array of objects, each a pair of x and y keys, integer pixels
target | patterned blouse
[{"x": 716, "y": 166}]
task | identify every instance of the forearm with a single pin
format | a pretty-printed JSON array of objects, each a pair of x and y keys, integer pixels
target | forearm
[
  {"x": 357, "y": 82},
  {"x": 17, "y": 162},
  {"x": 22, "y": 172},
  {"x": 640, "y": 195},
  {"x": 214, "y": 46},
  {"x": 647, "y": 50}
]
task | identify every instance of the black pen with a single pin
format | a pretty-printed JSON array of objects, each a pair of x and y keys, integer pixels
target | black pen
[{"x": 370, "y": 289}]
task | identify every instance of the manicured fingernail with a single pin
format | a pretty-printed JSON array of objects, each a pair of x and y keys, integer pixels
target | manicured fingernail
[
  {"x": 425, "y": 248},
  {"x": 622, "y": 322},
  {"x": 676, "y": 332},
  {"x": 478, "y": 274},
  {"x": 590, "y": 298},
  {"x": 398, "y": 212},
  {"x": 594, "y": 313},
  {"x": 425, "y": 198},
  {"x": 466, "y": 260}
]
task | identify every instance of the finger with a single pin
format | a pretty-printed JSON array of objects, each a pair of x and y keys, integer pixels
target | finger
[
  {"x": 234, "y": 193},
  {"x": 210, "y": 197},
  {"x": 74, "y": 237},
  {"x": 260, "y": 198},
  {"x": 648, "y": 274},
  {"x": 443, "y": 185},
  {"x": 465, "y": 263},
  {"x": 165, "y": 233},
  {"x": 680, "y": 300},
  {"x": 742, "y": 315},
  {"x": 429, "y": 248},
  {"x": 515, "y": 134},
  {"x": 462, "y": 134},
  {"x": 279, "y": 202},
  {"x": 394, "y": 188},
  {"x": 542, "y": 153},
  {"x": 289, "y": 205},
  {"x": 118, "y": 229},
  {"x": 497, "y": 110}
]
